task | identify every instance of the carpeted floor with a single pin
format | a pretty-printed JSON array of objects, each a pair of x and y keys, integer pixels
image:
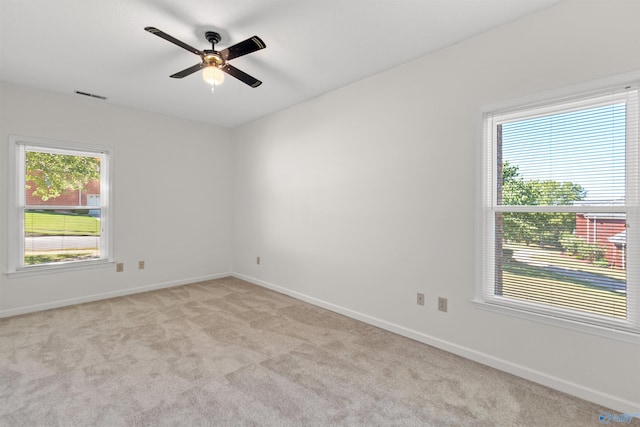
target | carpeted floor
[{"x": 226, "y": 352}]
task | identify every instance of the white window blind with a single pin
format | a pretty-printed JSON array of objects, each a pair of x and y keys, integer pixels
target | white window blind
[{"x": 560, "y": 203}]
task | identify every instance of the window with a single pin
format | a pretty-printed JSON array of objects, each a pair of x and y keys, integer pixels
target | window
[
  {"x": 560, "y": 199},
  {"x": 60, "y": 215}
]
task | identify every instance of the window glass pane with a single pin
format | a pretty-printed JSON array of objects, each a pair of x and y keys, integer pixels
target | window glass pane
[
  {"x": 61, "y": 179},
  {"x": 60, "y": 235},
  {"x": 70, "y": 230},
  {"x": 561, "y": 159},
  {"x": 568, "y": 260}
]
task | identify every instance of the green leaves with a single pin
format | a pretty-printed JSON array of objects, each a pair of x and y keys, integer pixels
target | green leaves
[
  {"x": 517, "y": 191},
  {"x": 52, "y": 174},
  {"x": 544, "y": 228}
]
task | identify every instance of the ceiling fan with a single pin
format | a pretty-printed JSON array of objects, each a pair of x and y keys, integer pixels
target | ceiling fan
[{"x": 213, "y": 61}]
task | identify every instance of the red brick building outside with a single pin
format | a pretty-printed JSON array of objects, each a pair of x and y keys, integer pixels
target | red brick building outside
[
  {"x": 85, "y": 197},
  {"x": 607, "y": 230}
]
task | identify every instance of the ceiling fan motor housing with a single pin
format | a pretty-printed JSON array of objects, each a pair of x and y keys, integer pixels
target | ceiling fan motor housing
[{"x": 212, "y": 57}]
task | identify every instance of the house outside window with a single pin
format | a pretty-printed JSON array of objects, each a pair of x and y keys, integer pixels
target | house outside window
[
  {"x": 560, "y": 202},
  {"x": 60, "y": 216}
]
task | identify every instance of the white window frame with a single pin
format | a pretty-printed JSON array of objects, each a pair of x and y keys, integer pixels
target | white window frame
[
  {"x": 16, "y": 205},
  {"x": 484, "y": 297}
]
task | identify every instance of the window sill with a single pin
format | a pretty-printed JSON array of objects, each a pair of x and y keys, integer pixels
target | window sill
[
  {"x": 575, "y": 325},
  {"x": 49, "y": 269}
]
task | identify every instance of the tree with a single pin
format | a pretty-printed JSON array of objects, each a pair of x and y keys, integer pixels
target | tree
[
  {"x": 554, "y": 193},
  {"x": 52, "y": 174},
  {"x": 517, "y": 191},
  {"x": 543, "y": 228}
]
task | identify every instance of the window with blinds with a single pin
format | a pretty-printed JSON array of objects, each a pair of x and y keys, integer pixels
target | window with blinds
[
  {"x": 61, "y": 212},
  {"x": 560, "y": 198}
]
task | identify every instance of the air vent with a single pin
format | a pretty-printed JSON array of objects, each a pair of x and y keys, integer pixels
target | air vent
[{"x": 91, "y": 95}]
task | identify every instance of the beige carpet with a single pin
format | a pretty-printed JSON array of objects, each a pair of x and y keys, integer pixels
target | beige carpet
[{"x": 226, "y": 352}]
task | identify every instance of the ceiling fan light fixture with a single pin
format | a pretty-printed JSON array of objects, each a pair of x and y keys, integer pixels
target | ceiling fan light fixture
[{"x": 213, "y": 76}]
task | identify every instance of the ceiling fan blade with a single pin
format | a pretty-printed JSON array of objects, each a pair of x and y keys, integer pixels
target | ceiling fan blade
[
  {"x": 249, "y": 45},
  {"x": 167, "y": 37},
  {"x": 187, "y": 71},
  {"x": 241, "y": 75}
]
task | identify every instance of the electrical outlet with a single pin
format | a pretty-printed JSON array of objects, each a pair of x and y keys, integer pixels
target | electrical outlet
[
  {"x": 119, "y": 267},
  {"x": 420, "y": 299},
  {"x": 442, "y": 304},
  {"x": 140, "y": 265},
  {"x": 258, "y": 260}
]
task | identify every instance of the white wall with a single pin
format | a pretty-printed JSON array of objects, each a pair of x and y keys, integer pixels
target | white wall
[
  {"x": 171, "y": 197},
  {"x": 360, "y": 198}
]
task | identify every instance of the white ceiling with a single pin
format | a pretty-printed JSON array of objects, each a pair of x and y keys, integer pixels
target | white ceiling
[{"x": 313, "y": 46}]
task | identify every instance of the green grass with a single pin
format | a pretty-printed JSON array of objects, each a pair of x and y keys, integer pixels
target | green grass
[
  {"x": 56, "y": 257},
  {"x": 40, "y": 223},
  {"x": 556, "y": 287}
]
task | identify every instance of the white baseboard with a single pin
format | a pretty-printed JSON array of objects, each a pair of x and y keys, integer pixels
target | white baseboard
[
  {"x": 95, "y": 297},
  {"x": 586, "y": 393}
]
